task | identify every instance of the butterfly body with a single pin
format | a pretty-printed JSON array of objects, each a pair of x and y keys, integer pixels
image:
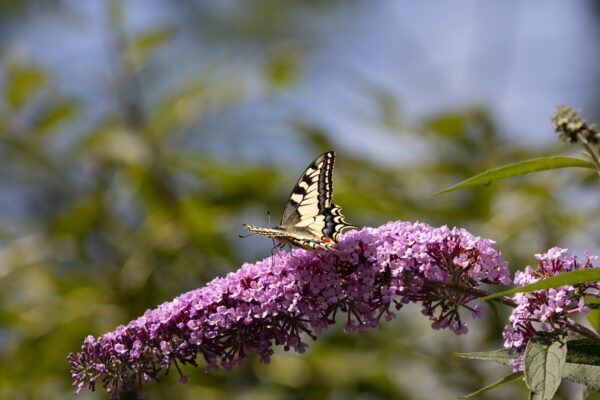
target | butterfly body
[
  {"x": 310, "y": 219},
  {"x": 286, "y": 236}
]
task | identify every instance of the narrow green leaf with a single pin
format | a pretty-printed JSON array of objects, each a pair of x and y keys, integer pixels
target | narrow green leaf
[
  {"x": 500, "y": 356},
  {"x": 588, "y": 375},
  {"x": 53, "y": 114},
  {"x": 507, "y": 379},
  {"x": 144, "y": 45},
  {"x": 566, "y": 278},
  {"x": 544, "y": 361},
  {"x": 29, "y": 149},
  {"x": 518, "y": 168}
]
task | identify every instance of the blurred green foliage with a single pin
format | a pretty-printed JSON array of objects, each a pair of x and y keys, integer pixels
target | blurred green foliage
[{"x": 112, "y": 216}]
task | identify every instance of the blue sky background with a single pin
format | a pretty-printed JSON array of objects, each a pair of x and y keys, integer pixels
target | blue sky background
[{"x": 519, "y": 59}]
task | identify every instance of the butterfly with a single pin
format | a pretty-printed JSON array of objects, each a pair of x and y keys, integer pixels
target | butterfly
[{"x": 310, "y": 219}]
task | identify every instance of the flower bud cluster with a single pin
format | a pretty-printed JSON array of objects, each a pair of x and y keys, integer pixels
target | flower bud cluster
[{"x": 572, "y": 128}]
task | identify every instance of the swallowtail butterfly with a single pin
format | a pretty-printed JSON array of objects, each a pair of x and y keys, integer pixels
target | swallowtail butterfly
[{"x": 309, "y": 219}]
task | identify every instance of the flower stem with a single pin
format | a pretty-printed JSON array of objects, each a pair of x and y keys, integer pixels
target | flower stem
[
  {"x": 469, "y": 290},
  {"x": 590, "y": 150},
  {"x": 582, "y": 330}
]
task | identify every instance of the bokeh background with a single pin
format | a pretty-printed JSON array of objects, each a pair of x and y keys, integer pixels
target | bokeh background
[{"x": 136, "y": 136}]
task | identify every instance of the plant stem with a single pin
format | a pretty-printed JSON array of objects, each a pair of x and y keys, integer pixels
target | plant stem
[
  {"x": 582, "y": 330},
  {"x": 469, "y": 290},
  {"x": 573, "y": 326},
  {"x": 590, "y": 150}
]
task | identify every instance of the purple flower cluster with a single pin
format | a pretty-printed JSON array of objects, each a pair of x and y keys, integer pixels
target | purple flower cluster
[
  {"x": 280, "y": 301},
  {"x": 547, "y": 309}
]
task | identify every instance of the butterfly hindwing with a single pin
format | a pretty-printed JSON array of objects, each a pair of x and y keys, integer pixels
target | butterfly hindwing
[
  {"x": 335, "y": 223},
  {"x": 310, "y": 219}
]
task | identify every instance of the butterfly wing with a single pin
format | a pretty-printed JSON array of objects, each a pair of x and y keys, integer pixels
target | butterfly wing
[{"x": 312, "y": 192}]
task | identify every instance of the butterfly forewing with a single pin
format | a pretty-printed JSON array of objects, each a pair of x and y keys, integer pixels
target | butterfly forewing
[{"x": 313, "y": 191}]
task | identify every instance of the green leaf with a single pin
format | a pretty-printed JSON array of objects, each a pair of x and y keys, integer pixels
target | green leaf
[
  {"x": 593, "y": 316},
  {"x": 582, "y": 366},
  {"x": 144, "y": 45},
  {"x": 315, "y": 135},
  {"x": 544, "y": 361},
  {"x": 566, "y": 278},
  {"x": 590, "y": 394},
  {"x": 186, "y": 104},
  {"x": 451, "y": 125},
  {"x": 507, "y": 379},
  {"x": 519, "y": 168},
  {"x": 54, "y": 114},
  {"x": 29, "y": 150},
  {"x": 80, "y": 217},
  {"x": 583, "y": 351},
  {"x": 588, "y": 375},
  {"x": 119, "y": 145},
  {"x": 583, "y": 363},
  {"x": 22, "y": 83},
  {"x": 283, "y": 66},
  {"x": 500, "y": 356}
]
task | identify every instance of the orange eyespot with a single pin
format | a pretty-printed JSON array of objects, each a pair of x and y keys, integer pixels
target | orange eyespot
[{"x": 327, "y": 240}]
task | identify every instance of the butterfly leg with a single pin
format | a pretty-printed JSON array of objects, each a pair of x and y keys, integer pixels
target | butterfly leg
[
  {"x": 293, "y": 256},
  {"x": 274, "y": 249}
]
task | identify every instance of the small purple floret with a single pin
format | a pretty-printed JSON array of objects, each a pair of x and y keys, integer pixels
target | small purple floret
[{"x": 374, "y": 273}]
